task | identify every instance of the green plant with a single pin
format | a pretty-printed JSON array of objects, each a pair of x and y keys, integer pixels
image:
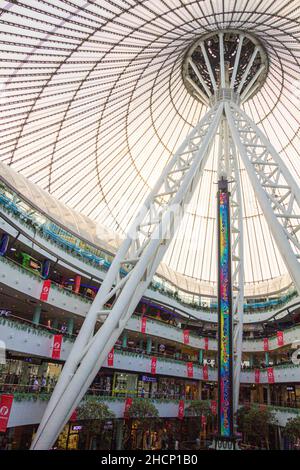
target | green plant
[
  {"x": 292, "y": 429},
  {"x": 94, "y": 413},
  {"x": 254, "y": 423}
]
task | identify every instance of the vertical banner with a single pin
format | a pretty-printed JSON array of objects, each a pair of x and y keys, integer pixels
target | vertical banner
[
  {"x": 4, "y": 244},
  {"x": 225, "y": 364},
  {"x": 153, "y": 365},
  {"x": 45, "y": 290},
  {"x": 181, "y": 409},
  {"x": 144, "y": 308},
  {"x": 46, "y": 268},
  {"x": 143, "y": 324},
  {"x": 271, "y": 378},
  {"x": 73, "y": 416},
  {"x": 213, "y": 407},
  {"x": 110, "y": 358},
  {"x": 5, "y": 408},
  {"x": 56, "y": 348},
  {"x": 77, "y": 283},
  {"x": 266, "y": 344},
  {"x": 257, "y": 376},
  {"x": 205, "y": 372},
  {"x": 128, "y": 403},
  {"x": 280, "y": 340},
  {"x": 203, "y": 421},
  {"x": 190, "y": 369},
  {"x": 206, "y": 344},
  {"x": 186, "y": 336}
]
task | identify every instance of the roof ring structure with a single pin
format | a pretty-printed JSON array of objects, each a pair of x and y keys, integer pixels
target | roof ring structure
[{"x": 245, "y": 60}]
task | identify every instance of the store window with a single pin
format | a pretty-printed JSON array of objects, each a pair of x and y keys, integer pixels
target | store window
[{"x": 125, "y": 385}]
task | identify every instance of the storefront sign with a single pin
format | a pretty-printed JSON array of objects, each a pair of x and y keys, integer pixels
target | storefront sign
[
  {"x": 280, "y": 340},
  {"x": 181, "y": 409},
  {"x": 110, "y": 358},
  {"x": 128, "y": 403},
  {"x": 56, "y": 349},
  {"x": 205, "y": 372},
  {"x": 5, "y": 408},
  {"x": 145, "y": 378},
  {"x": 206, "y": 344},
  {"x": 143, "y": 324},
  {"x": 186, "y": 336},
  {"x": 266, "y": 344},
  {"x": 45, "y": 290},
  {"x": 271, "y": 378},
  {"x": 153, "y": 365},
  {"x": 213, "y": 407},
  {"x": 190, "y": 369},
  {"x": 257, "y": 376}
]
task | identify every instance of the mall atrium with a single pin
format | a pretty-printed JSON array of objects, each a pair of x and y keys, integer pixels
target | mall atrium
[{"x": 149, "y": 224}]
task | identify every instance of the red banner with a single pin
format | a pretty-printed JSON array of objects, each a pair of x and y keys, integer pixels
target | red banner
[
  {"x": 153, "y": 365},
  {"x": 203, "y": 421},
  {"x": 280, "y": 340},
  {"x": 181, "y": 409},
  {"x": 257, "y": 376},
  {"x": 205, "y": 372},
  {"x": 45, "y": 290},
  {"x": 73, "y": 416},
  {"x": 189, "y": 369},
  {"x": 128, "y": 403},
  {"x": 77, "y": 283},
  {"x": 266, "y": 344},
  {"x": 144, "y": 308},
  {"x": 110, "y": 358},
  {"x": 5, "y": 408},
  {"x": 56, "y": 349},
  {"x": 143, "y": 324},
  {"x": 206, "y": 344},
  {"x": 271, "y": 378},
  {"x": 186, "y": 336},
  {"x": 213, "y": 407}
]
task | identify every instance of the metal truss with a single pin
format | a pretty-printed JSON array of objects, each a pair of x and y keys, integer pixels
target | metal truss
[
  {"x": 275, "y": 189},
  {"x": 140, "y": 254}
]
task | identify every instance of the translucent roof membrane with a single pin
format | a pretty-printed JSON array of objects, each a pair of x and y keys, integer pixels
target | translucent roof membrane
[{"x": 93, "y": 105}]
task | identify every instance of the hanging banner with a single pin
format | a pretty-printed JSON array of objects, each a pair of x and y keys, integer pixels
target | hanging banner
[
  {"x": 206, "y": 344},
  {"x": 190, "y": 370},
  {"x": 280, "y": 340},
  {"x": 266, "y": 344},
  {"x": 46, "y": 268},
  {"x": 128, "y": 403},
  {"x": 143, "y": 324},
  {"x": 153, "y": 365},
  {"x": 5, "y": 408},
  {"x": 205, "y": 372},
  {"x": 203, "y": 421},
  {"x": 186, "y": 336},
  {"x": 77, "y": 283},
  {"x": 4, "y": 244},
  {"x": 271, "y": 378},
  {"x": 110, "y": 358},
  {"x": 257, "y": 376},
  {"x": 73, "y": 416},
  {"x": 45, "y": 290},
  {"x": 144, "y": 308},
  {"x": 56, "y": 348},
  {"x": 181, "y": 409},
  {"x": 213, "y": 407}
]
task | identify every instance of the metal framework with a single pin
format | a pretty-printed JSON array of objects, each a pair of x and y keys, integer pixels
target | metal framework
[{"x": 241, "y": 142}]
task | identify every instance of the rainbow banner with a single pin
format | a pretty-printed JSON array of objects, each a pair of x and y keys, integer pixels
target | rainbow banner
[{"x": 225, "y": 403}]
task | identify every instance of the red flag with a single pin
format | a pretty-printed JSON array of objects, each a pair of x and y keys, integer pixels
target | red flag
[
  {"x": 271, "y": 378},
  {"x": 181, "y": 409},
  {"x": 56, "y": 349},
  {"x": 203, "y": 421},
  {"x": 205, "y": 372},
  {"x": 153, "y": 365},
  {"x": 280, "y": 340},
  {"x": 143, "y": 324},
  {"x": 5, "y": 408},
  {"x": 190, "y": 370},
  {"x": 77, "y": 284},
  {"x": 73, "y": 416},
  {"x": 213, "y": 407},
  {"x": 257, "y": 376},
  {"x": 128, "y": 403},
  {"x": 45, "y": 290},
  {"x": 186, "y": 336},
  {"x": 266, "y": 344},
  {"x": 206, "y": 344},
  {"x": 110, "y": 358}
]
